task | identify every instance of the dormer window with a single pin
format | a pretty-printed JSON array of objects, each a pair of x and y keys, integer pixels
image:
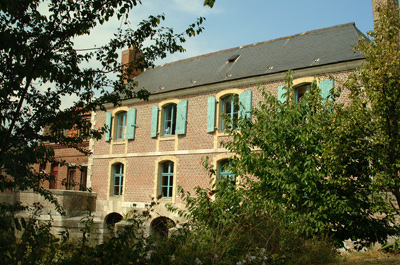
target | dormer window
[{"x": 233, "y": 58}]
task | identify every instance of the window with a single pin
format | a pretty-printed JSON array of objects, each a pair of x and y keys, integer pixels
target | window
[
  {"x": 169, "y": 120},
  {"x": 167, "y": 179},
  {"x": 230, "y": 107},
  {"x": 121, "y": 125},
  {"x": 42, "y": 167},
  {"x": 236, "y": 105},
  {"x": 118, "y": 179},
  {"x": 54, "y": 174},
  {"x": 172, "y": 118},
  {"x": 124, "y": 123},
  {"x": 82, "y": 186},
  {"x": 300, "y": 91},
  {"x": 70, "y": 179},
  {"x": 224, "y": 171}
]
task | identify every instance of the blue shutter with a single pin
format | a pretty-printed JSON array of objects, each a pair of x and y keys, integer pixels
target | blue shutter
[
  {"x": 108, "y": 124},
  {"x": 154, "y": 121},
  {"x": 245, "y": 104},
  {"x": 211, "y": 114},
  {"x": 181, "y": 117},
  {"x": 131, "y": 124},
  {"x": 325, "y": 87},
  {"x": 281, "y": 91}
]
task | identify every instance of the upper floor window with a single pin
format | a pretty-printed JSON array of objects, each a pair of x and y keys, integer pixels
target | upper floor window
[
  {"x": 234, "y": 106},
  {"x": 83, "y": 181},
  {"x": 224, "y": 171},
  {"x": 121, "y": 125},
  {"x": 172, "y": 119},
  {"x": 230, "y": 107},
  {"x": 54, "y": 175},
  {"x": 167, "y": 179},
  {"x": 118, "y": 179},
  {"x": 300, "y": 91},
  {"x": 169, "y": 119},
  {"x": 69, "y": 185}
]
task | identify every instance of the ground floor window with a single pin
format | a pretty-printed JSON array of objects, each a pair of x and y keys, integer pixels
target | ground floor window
[
  {"x": 224, "y": 171},
  {"x": 167, "y": 179},
  {"x": 118, "y": 179}
]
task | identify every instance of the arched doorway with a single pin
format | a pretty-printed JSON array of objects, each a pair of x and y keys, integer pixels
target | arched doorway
[
  {"x": 160, "y": 226},
  {"x": 111, "y": 219}
]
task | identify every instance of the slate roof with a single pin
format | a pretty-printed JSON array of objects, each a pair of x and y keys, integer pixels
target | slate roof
[{"x": 308, "y": 49}]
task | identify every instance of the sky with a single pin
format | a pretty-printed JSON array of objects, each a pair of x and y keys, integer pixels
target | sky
[{"x": 233, "y": 23}]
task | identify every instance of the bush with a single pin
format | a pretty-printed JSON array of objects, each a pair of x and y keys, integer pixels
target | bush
[{"x": 233, "y": 225}]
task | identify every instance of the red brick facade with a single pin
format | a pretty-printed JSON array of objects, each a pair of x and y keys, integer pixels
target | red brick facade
[
  {"x": 72, "y": 175},
  {"x": 143, "y": 155}
]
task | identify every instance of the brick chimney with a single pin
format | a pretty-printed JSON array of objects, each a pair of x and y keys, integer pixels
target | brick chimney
[
  {"x": 376, "y": 3},
  {"x": 132, "y": 62}
]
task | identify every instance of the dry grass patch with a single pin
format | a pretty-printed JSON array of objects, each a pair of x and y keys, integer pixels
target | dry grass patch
[{"x": 370, "y": 257}]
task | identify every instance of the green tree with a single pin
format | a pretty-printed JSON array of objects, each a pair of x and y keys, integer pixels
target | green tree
[
  {"x": 39, "y": 65},
  {"x": 375, "y": 91},
  {"x": 290, "y": 155}
]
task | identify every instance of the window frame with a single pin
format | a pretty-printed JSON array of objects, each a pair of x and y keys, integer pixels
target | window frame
[
  {"x": 120, "y": 129},
  {"x": 70, "y": 178},
  {"x": 234, "y": 110},
  {"x": 83, "y": 178},
  {"x": 226, "y": 174},
  {"x": 170, "y": 179},
  {"x": 171, "y": 110},
  {"x": 296, "y": 91},
  {"x": 120, "y": 176},
  {"x": 54, "y": 173}
]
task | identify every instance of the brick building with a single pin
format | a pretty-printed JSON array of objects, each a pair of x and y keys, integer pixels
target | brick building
[
  {"x": 72, "y": 176},
  {"x": 154, "y": 146}
]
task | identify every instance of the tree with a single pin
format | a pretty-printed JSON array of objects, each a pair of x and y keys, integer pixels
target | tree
[
  {"x": 288, "y": 154},
  {"x": 375, "y": 90},
  {"x": 39, "y": 65}
]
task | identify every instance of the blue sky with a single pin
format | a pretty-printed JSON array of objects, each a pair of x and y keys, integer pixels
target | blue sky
[{"x": 232, "y": 23}]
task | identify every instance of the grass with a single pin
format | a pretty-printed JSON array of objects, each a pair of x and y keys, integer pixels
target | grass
[{"x": 370, "y": 257}]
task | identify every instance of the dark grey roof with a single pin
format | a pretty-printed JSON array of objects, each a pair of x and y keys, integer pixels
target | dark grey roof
[{"x": 308, "y": 49}]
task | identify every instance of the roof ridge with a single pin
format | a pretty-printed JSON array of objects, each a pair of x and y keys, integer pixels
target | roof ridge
[{"x": 257, "y": 43}]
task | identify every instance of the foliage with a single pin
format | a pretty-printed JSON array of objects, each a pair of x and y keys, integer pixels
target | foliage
[
  {"x": 305, "y": 159},
  {"x": 234, "y": 225},
  {"x": 392, "y": 247},
  {"x": 375, "y": 91},
  {"x": 27, "y": 240},
  {"x": 40, "y": 67},
  {"x": 250, "y": 232}
]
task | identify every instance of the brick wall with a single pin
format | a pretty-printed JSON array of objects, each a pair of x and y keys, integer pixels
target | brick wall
[
  {"x": 72, "y": 157},
  {"x": 141, "y": 154}
]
